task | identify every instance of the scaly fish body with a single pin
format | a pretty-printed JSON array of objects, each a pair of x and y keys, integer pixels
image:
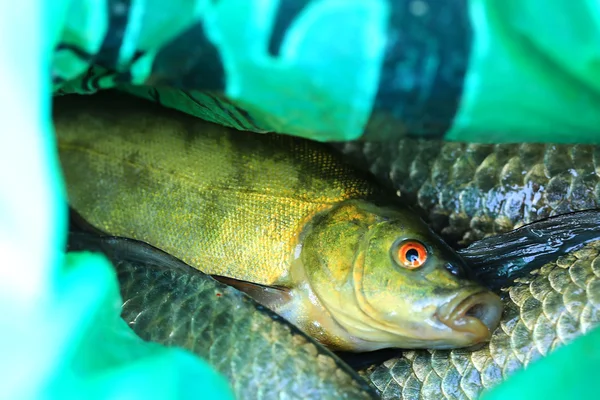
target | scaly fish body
[
  {"x": 213, "y": 198},
  {"x": 282, "y": 218},
  {"x": 263, "y": 357},
  {"x": 547, "y": 310},
  {"x": 468, "y": 191}
]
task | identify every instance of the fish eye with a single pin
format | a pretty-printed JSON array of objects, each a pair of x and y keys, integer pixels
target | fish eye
[{"x": 410, "y": 254}]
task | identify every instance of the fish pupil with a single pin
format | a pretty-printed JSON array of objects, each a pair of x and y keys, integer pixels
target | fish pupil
[{"x": 412, "y": 255}]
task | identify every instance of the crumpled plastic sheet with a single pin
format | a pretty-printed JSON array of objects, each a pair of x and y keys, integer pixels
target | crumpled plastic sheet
[
  {"x": 60, "y": 331},
  {"x": 61, "y": 335},
  {"x": 491, "y": 71}
]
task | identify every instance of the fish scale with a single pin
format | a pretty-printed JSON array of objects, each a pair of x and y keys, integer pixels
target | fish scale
[
  {"x": 469, "y": 191},
  {"x": 548, "y": 310},
  {"x": 457, "y": 192},
  {"x": 255, "y": 367}
]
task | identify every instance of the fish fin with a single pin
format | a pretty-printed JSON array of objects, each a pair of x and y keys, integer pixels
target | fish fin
[
  {"x": 272, "y": 297},
  {"x": 78, "y": 224},
  {"x": 498, "y": 261},
  {"x": 118, "y": 249}
]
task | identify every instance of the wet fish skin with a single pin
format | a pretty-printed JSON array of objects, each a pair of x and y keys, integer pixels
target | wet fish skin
[
  {"x": 134, "y": 169},
  {"x": 549, "y": 309},
  {"x": 262, "y": 356},
  {"x": 469, "y": 191}
]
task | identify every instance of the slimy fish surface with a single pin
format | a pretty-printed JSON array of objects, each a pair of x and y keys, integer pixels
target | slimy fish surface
[
  {"x": 472, "y": 191},
  {"x": 283, "y": 219},
  {"x": 166, "y": 302}
]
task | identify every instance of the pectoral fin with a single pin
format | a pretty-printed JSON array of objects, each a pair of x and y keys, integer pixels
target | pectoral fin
[{"x": 272, "y": 297}]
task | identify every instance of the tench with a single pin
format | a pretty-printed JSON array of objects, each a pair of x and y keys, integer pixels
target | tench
[
  {"x": 468, "y": 191},
  {"x": 262, "y": 356},
  {"x": 548, "y": 309},
  {"x": 282, "y": 218}
]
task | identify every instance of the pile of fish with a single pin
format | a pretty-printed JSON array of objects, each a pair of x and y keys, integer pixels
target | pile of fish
[
  {"x": 331, "y": 258},
  {"x": 284, "y": 220}
]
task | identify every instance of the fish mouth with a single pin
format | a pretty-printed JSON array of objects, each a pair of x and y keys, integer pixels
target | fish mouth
[{"x": 476, "y": 315}]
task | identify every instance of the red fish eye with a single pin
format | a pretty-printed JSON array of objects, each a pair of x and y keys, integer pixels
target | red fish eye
[{"x": 412, "y": 254}]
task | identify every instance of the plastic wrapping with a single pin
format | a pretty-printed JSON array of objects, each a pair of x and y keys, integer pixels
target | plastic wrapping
[
  {"x": 61, "y": 331},
  {"x": 335, "y": 70},
  {"x": 507, "y": 73},
  {"x": 520, "y": 87}
]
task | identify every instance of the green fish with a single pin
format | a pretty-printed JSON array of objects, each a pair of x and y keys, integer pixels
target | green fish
[
  {"x": 168, "y": 302},
  {"x": 281, "y": 218}
]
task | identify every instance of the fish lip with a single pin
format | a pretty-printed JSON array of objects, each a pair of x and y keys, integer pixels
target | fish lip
[{"x": 486, "y": 308}]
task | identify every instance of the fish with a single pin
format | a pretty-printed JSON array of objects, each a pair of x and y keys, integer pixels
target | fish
[
  {"x": 283, "y": 219},
  {"x": 542, "y": 311},
  {"x": 469, "y": 191},
  {"x": 501, "y": 260},
  {"x": 262, "y": 356}
]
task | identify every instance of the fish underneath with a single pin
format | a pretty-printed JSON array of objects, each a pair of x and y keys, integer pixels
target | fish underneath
[{"x": 166, "y": 301}]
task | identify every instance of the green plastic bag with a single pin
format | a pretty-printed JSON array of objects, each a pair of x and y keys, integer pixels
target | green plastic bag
[
  {"x": 61, "y": 335},
  {"x": 571, "y": 372},
  {"x": 335, "y": 70}
]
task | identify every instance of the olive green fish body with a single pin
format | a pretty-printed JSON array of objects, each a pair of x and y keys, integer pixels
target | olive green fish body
[
  {"x": 549, "y": 309},
  {"x": 468, "y": 191},
  {"x": 282, "y": 218},
  {"x": 214, "y": 197},
  {"x": 262, "y": 356}
]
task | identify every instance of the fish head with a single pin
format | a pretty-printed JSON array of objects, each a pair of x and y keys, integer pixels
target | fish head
[
  {"x": 418, "y": 289},
  {"x": 402, "y": 287}
]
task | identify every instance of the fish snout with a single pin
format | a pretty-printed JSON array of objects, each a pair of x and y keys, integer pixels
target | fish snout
[{"x": 476, "y": 315}]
